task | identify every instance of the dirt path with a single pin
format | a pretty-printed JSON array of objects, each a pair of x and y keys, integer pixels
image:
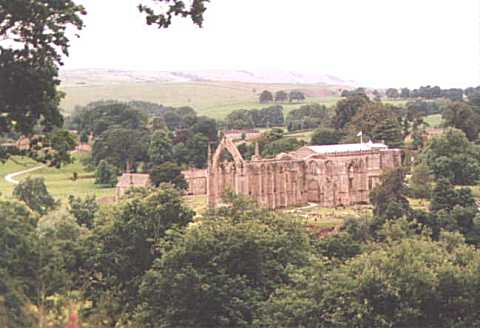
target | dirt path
[{"x": 10, "y": 177}]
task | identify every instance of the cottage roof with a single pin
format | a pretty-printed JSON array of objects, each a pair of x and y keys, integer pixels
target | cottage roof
[{"x": 134, "y": 180}]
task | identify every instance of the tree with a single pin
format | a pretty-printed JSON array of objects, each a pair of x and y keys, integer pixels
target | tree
[
  {"x": 460, "y": 115},
  {"x": 17, "y": 263},
  {"x": 283, "y": 145},
  {"x": 206, "y": 126},
  {"x": 163, "y": 19},
  {"x": 36, "y": 40},
  {"x": 405, "y": 93},
  {"x": 404, "y": 283},
  {"x": 219, "y": 273},
  {"x": 269, "y": 117},
  {"x": 59, "y": 253},
  {"x": 453, "y": 157},
  {"x": 421, "y": 181},
  {"x": 121, "y": 147},
  {"x": 160, "y": 149},
  {"x": 124, "y": 245},
  {"x": 281, "y": 96},
  {"x": 296, "y": 95},
  {"x": 379, "y": 122},
  {"x": 392, "y": 93},
  {"x": 308, "y": 117},
  {"x": 239, "y": 119},
  {"x": 265, "y": 97},
  {"x": 325, "y": 136},
  {"x": 197, "y": 148},
  {"x": 97, "y": 117},
  {"x": 62, "y": 142},
  {"x": 389, "y": 197},
  {"x": 83, "y": 210},
  {"x": 168, "y": 173},
  {"x": 346, "y": 109},
  {"x": 106, "y": 174},
  {"x": 33, "y": 192}
]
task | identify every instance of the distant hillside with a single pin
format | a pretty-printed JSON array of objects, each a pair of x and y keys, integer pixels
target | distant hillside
[
  {"x": 81, "y": 77},
  {"x": 211, "y": 93}
]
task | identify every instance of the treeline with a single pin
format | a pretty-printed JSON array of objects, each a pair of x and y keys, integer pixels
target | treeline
[
  {"x": 281, "y": 96},
  {"x": 255, "y": 118},
  {"x": 144, "y": 137},
  {"x": 141, "y": 263}
]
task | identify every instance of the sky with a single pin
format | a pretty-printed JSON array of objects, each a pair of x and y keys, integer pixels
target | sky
[{"x": 377, "y": 43}]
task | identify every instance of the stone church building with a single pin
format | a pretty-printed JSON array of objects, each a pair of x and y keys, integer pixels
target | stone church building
[{"x": 331, "y": 175}]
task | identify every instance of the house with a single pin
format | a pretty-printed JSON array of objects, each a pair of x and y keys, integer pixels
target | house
[{"x": 129, "y": 180}]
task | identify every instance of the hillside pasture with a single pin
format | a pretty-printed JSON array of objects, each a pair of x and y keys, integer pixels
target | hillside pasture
[
  {"x": 213, "y": 99},
  {"x": 59, "y": 181}
]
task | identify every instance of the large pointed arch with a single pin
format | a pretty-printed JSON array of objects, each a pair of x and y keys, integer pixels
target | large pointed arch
[{"x": 228, "y": 145}]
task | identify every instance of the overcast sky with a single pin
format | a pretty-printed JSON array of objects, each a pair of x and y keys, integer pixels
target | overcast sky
[{"x": 375, "y": 42}]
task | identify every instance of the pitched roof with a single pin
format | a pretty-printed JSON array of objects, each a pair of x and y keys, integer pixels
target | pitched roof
[
  {"x": 328, "y": 149},
  {"x": 134, "y": 180}
]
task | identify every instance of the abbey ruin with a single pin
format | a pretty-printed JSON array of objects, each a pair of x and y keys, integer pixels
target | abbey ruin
[{"x": 333, "y": 175}]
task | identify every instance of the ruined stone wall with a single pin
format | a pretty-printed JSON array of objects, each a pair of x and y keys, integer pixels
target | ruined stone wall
[
  {"x": 331, "y": 180},
  {"x": 196, "y": 181}
]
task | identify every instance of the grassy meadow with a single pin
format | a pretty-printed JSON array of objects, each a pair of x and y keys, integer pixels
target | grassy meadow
[
  {"x": 59, "y": 181},
  {"x": 213, "y": 99}
]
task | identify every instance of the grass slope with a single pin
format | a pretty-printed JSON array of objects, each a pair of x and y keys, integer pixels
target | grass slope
[
  {"x": 214, "y": 99},
  {"x": 59, "y": 181}
]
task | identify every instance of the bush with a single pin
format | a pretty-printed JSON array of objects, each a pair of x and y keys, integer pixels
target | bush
[{"x": 106, "y": 174}]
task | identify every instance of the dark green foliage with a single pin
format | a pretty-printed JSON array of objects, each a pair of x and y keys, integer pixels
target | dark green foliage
[
  {"x": 36, "y": 41},
  {"x": 389, "y": 197},
  {"x": 283, "y": 145},
  {"x": 308, "y": 117},
  {"x": 33, "y": 192},
  {"x": 239, "y": 119},
  {"x": 405, "y": 93},
  {"x": 265, "y": 97},
  {"x": 460, "y": 115},
  {"x": 219, "y": 272},
  {"x": 445, "y": 197},
  {"x": 84, "y": 137},
  {"x": 168, "y": 173},
  {"x": 160, "y": 149},
  {"x": 83, "y": 210},
  {"x": 62, "y": 142},
  {"x": 346, "y": 109},
  {"x": 124, "y": 245},
  {"x": 197, "y": 148},
  {"x": 97, "y": 117},
  {"x": 406, "y": 283},
  {"x": 121, "y": 147},
  {"x": 392, "y": 93},
  {"x": 269, "y": 117},
  {"x": 18, "y": 242},
  {"x": 326, "y": 136},
  {"x": 421, "y": 181},
  {"x": 106, "y": 174},
  {"x": 296, "y": 96},
  {"x": 281, "y": 96},
  {"x": 355, "y": 92},
  {"x": 206, "y": 126},
  {"x": 453, "y": 157},
  {"x": 195, "y": 10},
  {"x": 378, "y": 121}
]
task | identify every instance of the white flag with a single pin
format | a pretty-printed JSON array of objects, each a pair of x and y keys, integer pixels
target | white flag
[{"x": 359, "y": 134}]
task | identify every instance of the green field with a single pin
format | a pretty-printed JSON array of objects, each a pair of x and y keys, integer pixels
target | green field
[
  {"x": 59, "y": 181},
  {"x": 434, "y": 121},
  {"x": 214, "y": 99}
]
